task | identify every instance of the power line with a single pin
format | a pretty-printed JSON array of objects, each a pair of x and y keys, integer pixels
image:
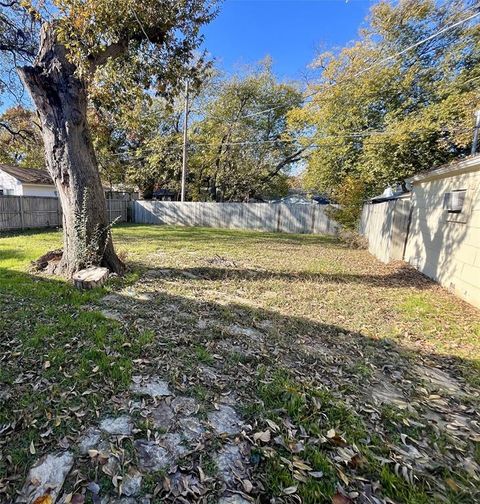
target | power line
[
  {"x": 350, "y": 135},
  {"x": 361, "y": 72},
  {"x": 421, "y": 42},
  {"x": 379, "y": 62}
]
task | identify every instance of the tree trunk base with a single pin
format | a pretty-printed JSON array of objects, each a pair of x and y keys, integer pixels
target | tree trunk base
[
  {"x": 54, "y": 263},
  {"x": 49, "y": 262},
  {"x": 111, "y": 261}
]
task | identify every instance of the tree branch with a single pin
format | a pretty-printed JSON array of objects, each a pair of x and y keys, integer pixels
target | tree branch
[
  {"x": 19, "y": 133},
  {"x": 292, "y": 158},
  {"x": 114, "y": 50}
]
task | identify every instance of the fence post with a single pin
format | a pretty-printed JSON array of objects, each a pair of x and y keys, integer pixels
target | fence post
[
  {"x": 312, "y": 227},
  {"x": 130, "y": 209},
  {"x": 407, "y": 233},
  {"x": 22, "y": 221}
]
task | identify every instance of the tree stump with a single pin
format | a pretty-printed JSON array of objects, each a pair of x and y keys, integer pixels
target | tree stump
[{"x": 91, "y": 277}]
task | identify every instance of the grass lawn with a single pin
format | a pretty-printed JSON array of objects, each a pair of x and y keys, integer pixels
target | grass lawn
[{"x": 353, "y": 379}]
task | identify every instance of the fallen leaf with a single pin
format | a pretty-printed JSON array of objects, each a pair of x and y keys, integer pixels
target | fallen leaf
[
  {"x": 299, "y": 464},
  {"x": 262, "y": 436},
  {"x": 43, "y": 499},
  {"x": 32, "y": 448},
  {"x": 452, "y": 484},
  {"x": 247, "y": 485},
  {"x": 300, "y": 476},
  {"x": 339, "y": 498},
  {"x": 272, "y": 425},
  {"x": 290, "y": 490},
  {"x": 342, "y": 476}
]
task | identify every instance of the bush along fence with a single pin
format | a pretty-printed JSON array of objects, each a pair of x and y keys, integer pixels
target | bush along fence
[
  {"x": 22, "y": 212},
  {"x": 272, "y": 217}
]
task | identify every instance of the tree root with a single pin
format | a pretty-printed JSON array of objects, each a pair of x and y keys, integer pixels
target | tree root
[
  {"x": 53, "y": 263},
  {"x": 49, "y": 262}
]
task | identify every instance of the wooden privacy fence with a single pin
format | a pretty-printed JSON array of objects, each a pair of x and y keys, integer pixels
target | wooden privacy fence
[
  {"x": 21, "y": 212},
  {"x": 275, "y": 217},
  {"x": 385, "y": 225}
]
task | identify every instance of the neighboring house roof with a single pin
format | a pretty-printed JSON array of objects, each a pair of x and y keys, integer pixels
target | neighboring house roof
[
  {"x": 471, "y": 163},
  {"x": 394, "y": 196},
  {"x": 321, "y": 199},
  {"x": 303, "y": 199},
  {"x": 28, "y": 175}
]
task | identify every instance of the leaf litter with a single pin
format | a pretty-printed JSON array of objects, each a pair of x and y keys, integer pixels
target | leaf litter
[{"x": 353, "y": 415}]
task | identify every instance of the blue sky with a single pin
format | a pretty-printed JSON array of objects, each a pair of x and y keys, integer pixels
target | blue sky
[{"x": 290, "y": 31}]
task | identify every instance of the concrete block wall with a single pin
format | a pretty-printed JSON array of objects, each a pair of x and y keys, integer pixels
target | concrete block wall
[{"x": 443, "y": 246}]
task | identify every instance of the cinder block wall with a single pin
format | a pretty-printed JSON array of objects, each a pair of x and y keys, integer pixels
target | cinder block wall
[{"x": 438, "y": 246}]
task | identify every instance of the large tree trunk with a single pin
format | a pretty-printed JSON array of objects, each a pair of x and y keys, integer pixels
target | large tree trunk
[{"x": 61, "y": 101}]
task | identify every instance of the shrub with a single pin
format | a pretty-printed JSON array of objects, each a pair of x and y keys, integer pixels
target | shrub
[{"x": 350, "y": 195}]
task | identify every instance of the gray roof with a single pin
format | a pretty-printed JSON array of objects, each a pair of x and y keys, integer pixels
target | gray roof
[{"x": 28, "y": 175}]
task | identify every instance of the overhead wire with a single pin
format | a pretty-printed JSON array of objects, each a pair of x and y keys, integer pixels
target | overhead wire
[
  {"x": 354, "y": 134},
  {"x": 318, "y": 143},
  {"x": 359, "y": 73},
  {"x": 379, "y": 62}
]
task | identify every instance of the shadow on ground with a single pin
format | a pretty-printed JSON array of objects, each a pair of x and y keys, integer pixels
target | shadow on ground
[
  {"x": 374, "y": 417},
  {"x": 405, "y": 276}
]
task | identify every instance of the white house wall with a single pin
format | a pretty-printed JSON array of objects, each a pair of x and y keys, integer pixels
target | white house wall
[
  {"x": 39, "y": 190},
  {"x": 448, "y": 252},
  {"x": 10, "y": 185}
]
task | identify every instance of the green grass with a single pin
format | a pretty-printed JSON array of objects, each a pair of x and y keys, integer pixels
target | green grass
[
  {"x": 317, "y": 411},
  {"x": 52, "y": 335},
  {"x": 65, "y": 365},
  {"x": 203, "y": 355},
  {"x": 302, "y": 405}
]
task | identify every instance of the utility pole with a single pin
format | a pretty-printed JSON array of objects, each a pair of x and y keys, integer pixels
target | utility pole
[
  {"x": 185, "y": 144},
  {"x": 475, "y": 132}
]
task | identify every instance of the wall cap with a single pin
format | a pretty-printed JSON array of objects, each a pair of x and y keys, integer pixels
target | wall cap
[{"x": 466, "y": 165}]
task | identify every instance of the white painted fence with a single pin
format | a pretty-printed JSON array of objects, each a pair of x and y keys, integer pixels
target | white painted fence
[
  {"x": 275, "y": 217},
  {"x": 21, "y": 212}
]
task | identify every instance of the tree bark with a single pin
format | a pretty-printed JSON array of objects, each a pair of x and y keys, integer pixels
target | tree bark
[{"x": 60, "y": 98}]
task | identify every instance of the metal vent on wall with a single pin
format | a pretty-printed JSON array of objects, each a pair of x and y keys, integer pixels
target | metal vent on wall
[{"x": 453, "y": 201}]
